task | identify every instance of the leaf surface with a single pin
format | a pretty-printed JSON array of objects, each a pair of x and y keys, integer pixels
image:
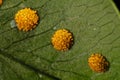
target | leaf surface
[{"x": 95, "y": 25}]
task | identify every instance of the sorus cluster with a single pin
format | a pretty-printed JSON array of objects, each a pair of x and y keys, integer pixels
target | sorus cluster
[
  {"x": 98, "y": 63},
  {"x": 26, "y": 19},
  {"x": 0, "y": 2},
  {"x": 62, "y": 40}
]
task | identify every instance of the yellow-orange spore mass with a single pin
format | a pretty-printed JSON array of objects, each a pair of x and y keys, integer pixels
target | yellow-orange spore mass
[
  {"x": 62, "y": 40},
  {"x": 98, "y": 63},
  {"x": 26, "y": 19},
  {"x": 0, "y": 2}
]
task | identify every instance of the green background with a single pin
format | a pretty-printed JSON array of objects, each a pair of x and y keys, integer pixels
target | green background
[{"x": 95, "y": 25}]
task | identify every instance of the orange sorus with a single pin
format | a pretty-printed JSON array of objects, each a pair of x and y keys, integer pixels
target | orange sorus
[
  {"x": 98, "y": 63},
  {"x": 0, "y": 2},
  {"x": 26, "y": 19},
  {"x": 62, "y": 40}
]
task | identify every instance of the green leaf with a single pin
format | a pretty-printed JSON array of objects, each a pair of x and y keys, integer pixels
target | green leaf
[{"x": 30, "y": 55}]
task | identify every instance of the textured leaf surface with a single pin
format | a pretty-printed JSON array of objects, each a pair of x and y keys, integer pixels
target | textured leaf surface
[{"x": 30, "y": 55}]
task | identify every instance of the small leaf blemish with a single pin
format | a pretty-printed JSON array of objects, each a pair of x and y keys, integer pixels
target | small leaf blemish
[{"x": 13, "y": 24}]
